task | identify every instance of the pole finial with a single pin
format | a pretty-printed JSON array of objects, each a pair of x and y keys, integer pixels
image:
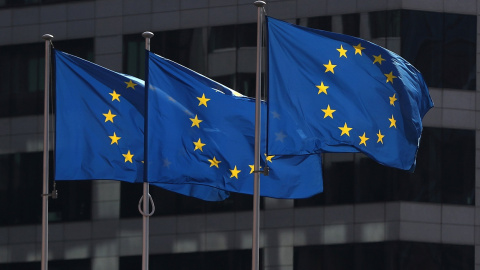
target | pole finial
[
  {"x": 260, "y": 3},
  {"x": 47, "y": 37},
  {"x": 147, "y": 34}
]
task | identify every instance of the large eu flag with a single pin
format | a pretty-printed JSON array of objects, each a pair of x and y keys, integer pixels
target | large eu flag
[
  {"x": 201, "y": 132},
  {"x": 100, "y": 127},
  {"x": 336, "y": 93}
]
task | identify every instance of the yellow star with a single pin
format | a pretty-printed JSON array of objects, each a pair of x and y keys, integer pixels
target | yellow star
[
  {"x": 329, "y": 67},
  {"x": 235, "y": 172},
  {"x": 252, "y": 168},
  {"x": 196, "y": 121},
  {"x": 114, "y": 138},
  {"x": 214, "y": 162},
  {"x": 269, "y": 158},
  {"x": 380, "y": 137},
  {"x": 363, "y": 139},
  {"x": 203, "y": 100},
  {"x": 342, "y": 51},
  {"x": 115, "y": 96},
  {"x": 390, "y": 77},
  {"x": 345, "y": 130},
  {"x": 131, "y": 84},
  {"x": 392, "y": 100},
  {"x": 358, "y": 49},
  {"x": 128, "y": 157},
  {"x": 393, "y": 122},
  {"x": 378, "y": 59},
  {"x": 328, "y": 112},
  {"x": 198, "y": 145},
  {"x": 109, "y": 116},
  {"x": 322, "y": 88}
]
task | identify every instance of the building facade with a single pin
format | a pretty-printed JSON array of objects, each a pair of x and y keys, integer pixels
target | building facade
[{"x": 368, "y": 217}]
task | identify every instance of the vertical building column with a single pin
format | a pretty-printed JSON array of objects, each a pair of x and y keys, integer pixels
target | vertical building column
[{"x": 277, "y": 232}]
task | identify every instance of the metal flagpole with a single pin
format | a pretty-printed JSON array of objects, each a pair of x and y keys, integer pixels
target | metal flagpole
[
  {"x": 46, "y": 130},
  {"x": 256, "y": 187},
  {"x": 146, "y": 193}
]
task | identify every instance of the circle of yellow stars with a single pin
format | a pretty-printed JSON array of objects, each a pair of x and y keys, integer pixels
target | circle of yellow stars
[
  {"x": 199, "y": 144},
  {"x": 329, "y": 112},
  {"x": 109, "y": 117}
]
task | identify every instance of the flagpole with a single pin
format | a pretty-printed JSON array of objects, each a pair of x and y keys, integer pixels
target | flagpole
[
  {"x": 256, "y": 188},
  {"x": 146, "y": 193},
  {"x": 46, "y": 130}
]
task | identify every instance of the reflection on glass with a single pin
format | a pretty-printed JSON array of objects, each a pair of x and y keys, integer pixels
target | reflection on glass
[
  {"x": 21, "y": 181},
  {"x": 399, "y": 255},
  {"x": 177, "y": 204},
  {"x": 228, "y": 259},
  {"x": 22, "y": 66},
  {"x": 445, "y": 173}
]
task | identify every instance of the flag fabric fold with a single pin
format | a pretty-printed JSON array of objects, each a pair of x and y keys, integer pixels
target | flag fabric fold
[
  {"x": 330, "y": 92},
  {"x": 201, "y": 132},
  {"x": 100, "y": 127}
]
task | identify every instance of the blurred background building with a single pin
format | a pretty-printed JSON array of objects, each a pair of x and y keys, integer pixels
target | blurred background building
[{"x": 369, "y": 216}]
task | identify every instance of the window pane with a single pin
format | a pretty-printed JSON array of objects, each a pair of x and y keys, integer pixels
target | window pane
[
  {"x": 445, "y": 173},
  {"x": 322, "y": 23},
  {"x": 397, "y": 255},
  {"x": 186, "y": 47},
  {"x": 442, "y": 46},
  {"x": 23, "y": 65},
  {"x": 214, "y": 260},
  {"x": 177, "y": 204},
  {"x": 351, "y": 24},
  {"x": 459, "y": 51},
  {"x": 81, "y": 264},
  {"x": 21, "y": 186}
]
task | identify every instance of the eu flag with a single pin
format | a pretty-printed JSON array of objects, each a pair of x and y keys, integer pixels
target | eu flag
[
  {"x": 201, "y": 132},
  {"x": 336, "y": 93},
  {"x": 99, "y": 122},
  {"x": 100, "y": 118}
]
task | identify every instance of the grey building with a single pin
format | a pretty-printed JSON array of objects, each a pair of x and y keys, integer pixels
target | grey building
[{"x": 369, "y": 216}]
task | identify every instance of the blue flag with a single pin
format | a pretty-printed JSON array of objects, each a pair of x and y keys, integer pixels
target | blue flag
[
  {"x": 201, "y": 132},
  {"x": 336, "y": 93},
  {"x": 100, "y": 126},
  {"x": 99, "y": 122}
]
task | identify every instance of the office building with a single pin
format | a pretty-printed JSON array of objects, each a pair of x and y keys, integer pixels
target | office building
[{"x": 368, "y": 217}]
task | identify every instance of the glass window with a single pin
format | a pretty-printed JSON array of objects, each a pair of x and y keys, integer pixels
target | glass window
[
  {"x": 171, "y": 203},
  {"x": 23, "y": 66},
  {"x": 21, "y": 3},
  {"x": 327, "y": 257},
  {"x": 221, "y": 37},
  {"x": 228, "y": 47},
  {"x": 441, "y": 45},
  {"x": 219, "y": 55},
  {"x": 21, "y": 182},
  {"x": 445, "y": 173},
  {"x": 385, "y": 23},
  {"x": 459, "y": 51},
  {"x": 214, "y": 260},
  {"x": 351, "y": 24},
  {"x": 185, "y": 47},
  {"x": 384, "y": 255},
  {"x": 82, "y": 264},
  {"x": 322, "y": 23}
]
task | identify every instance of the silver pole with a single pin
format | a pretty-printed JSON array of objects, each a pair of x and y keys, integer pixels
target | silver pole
[
  {"x": 46, "y": 130},
  {"x": 256, "y": 187},
  {"x": 146, "y": 193}
]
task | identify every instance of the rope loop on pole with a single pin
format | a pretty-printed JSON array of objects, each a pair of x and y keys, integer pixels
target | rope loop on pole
[{"x": 140, "y": 206}]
